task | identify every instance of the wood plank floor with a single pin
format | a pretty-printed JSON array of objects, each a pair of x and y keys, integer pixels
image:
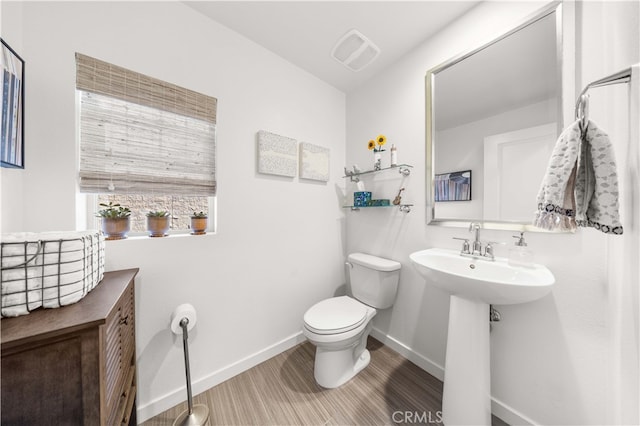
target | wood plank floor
[{"x": 282, "y": 391}]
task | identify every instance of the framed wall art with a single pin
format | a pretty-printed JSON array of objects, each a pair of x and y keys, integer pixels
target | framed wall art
[
  {"x": 454, "y": 186},
  {"x": 12, "y": 94},
  {"x": 277, "y": 155},
  {"x": 314, "y": 162}
]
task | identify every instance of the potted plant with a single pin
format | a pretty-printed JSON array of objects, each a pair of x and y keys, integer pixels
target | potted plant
[
  {"x": 198, "y": 223},
  {"x": 158, "y": 223},
  {"x": 115, "y": 220}
]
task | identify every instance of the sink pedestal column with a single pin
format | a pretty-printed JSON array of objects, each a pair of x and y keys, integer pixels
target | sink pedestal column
[{"x": 466, "y": 398}]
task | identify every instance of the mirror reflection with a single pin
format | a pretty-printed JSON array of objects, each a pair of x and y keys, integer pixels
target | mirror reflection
[{"x": 493, "y": 116}]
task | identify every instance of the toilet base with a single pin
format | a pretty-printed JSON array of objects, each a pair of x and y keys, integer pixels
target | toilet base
[{"x": 335, "y": 368}]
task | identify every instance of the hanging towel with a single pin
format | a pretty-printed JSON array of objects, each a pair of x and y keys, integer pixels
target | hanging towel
[
  {"x": 597, "y": 183},
  {"x": 556, "y": 200},
  {"x": 580, "y": 186}
]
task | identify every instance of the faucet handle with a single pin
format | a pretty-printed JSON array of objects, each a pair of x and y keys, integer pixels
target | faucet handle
[
  {"x": 521, "y": 242},
  {"x": 488, "y": 249},
  {"x": 465, "y": 245}
]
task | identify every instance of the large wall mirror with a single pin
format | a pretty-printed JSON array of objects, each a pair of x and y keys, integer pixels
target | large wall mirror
[{"x": 493, "y": 116}]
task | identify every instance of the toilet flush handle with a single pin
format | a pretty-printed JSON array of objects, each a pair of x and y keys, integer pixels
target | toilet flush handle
[{"x": 349, "y": 264}]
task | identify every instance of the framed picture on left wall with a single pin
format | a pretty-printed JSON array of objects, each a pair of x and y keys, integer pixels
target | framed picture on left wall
[{"x": 12, "y": 94}]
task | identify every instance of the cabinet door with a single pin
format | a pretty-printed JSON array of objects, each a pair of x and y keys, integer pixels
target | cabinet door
[
  {"x": 119, "y": 359},
  {"x": 113, "y": 363},
  {"x": 127, "y": 324},
  {"x": 126, "y": 414},
  {"x": 53, "y": 383}
]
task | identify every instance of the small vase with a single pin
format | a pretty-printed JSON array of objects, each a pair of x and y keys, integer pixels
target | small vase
[{"x": 377, "y": 161}]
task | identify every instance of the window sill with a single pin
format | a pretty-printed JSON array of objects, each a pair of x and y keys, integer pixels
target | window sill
[{"x": 140, "y": 236}]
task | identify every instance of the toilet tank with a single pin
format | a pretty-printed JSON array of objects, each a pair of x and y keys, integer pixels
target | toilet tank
[{"x": 374, "y": 280}]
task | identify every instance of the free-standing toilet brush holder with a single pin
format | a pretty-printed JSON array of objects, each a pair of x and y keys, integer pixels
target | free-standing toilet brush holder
[{"x": 195, "y": 414}]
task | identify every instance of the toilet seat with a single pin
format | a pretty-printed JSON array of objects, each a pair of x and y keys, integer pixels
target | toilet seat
[{"x": 336, "y": 315}]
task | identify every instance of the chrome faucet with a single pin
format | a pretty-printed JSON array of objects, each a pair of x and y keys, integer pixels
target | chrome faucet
[
  {"x": 474, "y": 249},
  {"x": 477, "y": 245}
]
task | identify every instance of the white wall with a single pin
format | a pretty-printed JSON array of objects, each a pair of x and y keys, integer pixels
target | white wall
[
  {"x": 280, "y": 242},
  {"x": 12, "y": 180},
  {"x": 609, "y": 41},
  {"x": 551, "y": 359}
]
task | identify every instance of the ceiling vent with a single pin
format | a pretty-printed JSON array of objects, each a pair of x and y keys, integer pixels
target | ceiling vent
[{"x": 355, "y": 51}]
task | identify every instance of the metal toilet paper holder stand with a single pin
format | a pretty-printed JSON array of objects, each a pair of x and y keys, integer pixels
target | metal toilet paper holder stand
[{"x": 195, "y": 414}]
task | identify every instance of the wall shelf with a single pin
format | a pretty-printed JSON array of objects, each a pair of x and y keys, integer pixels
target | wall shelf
[
  {"x": 403, "y": 169},
  {"x": 405, "y": 208}
]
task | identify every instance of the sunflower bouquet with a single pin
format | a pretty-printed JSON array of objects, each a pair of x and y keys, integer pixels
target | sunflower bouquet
[{"x": 376, "y": 146}]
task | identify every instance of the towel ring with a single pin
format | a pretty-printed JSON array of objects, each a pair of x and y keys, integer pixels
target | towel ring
[
  {"x": 582, "y": 103},
  {"x": 582, "y": 111}
]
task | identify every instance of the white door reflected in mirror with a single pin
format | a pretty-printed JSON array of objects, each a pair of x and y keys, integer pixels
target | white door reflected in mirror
[{"x": 512, "y": 172}]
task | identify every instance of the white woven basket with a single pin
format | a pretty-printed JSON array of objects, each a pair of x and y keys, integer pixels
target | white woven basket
[{"x": 49, "y": 269}]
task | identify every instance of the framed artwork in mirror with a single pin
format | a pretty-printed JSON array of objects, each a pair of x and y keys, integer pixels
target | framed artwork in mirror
[
  {"x": 12, "y": 94},
  {"x": 454, "y": 186}
]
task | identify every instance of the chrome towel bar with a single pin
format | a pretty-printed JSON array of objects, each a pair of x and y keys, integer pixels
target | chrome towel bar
[{"x": 582, "y": 103}]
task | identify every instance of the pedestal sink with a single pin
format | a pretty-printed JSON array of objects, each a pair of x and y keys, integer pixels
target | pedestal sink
[{"x": 474, "y": 283}]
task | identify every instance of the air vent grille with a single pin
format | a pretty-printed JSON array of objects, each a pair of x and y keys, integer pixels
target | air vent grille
[{"x": 355, "y": 51}]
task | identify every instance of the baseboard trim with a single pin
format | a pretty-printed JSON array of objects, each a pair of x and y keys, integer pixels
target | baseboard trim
[
  {"x": 498, "y": 408},
  {"x": 508, "y": 414},
  {"x": 421, "y": 361},
  {"x": 171, "y": 399},
  {"x": 202, "y": 384}
]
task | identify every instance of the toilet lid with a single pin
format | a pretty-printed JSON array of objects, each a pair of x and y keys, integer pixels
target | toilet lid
[{"x": 335, "y": 315}]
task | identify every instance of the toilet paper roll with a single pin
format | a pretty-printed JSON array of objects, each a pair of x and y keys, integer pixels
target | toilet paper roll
[{"x": 183, "y": 311}]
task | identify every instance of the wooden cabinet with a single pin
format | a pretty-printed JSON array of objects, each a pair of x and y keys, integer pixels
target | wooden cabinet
[{"x": 76, "y": 364}]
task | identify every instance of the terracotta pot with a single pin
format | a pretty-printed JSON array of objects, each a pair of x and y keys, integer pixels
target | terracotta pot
[
  {"x": 115, "y": 228},
  {"x": 158, "y": 225},
  {"x": 198, "y": 225}
]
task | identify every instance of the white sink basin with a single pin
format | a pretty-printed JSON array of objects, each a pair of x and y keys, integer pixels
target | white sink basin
[
  {"x": 474, "y": 284},
  {"x": 493, "y": 282}
]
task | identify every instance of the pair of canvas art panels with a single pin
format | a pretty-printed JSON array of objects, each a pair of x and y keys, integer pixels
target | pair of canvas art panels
[{"x": 282, "y": 156}]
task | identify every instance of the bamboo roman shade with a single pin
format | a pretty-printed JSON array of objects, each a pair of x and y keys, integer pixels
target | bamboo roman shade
[{"x": 141, "y": 135}]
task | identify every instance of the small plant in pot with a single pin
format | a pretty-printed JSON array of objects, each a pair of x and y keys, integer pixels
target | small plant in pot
[
  {"x": 198, "y": 223},
  {"x": 158, "y": 223},
  {"x": 115, "y": 220}
]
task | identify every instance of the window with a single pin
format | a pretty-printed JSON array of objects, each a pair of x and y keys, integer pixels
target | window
[
  {"x": 180, "y": 208},
  {"x": 145, "y": 143}
]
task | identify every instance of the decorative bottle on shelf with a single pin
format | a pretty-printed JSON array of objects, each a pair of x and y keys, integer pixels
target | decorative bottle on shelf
[
  {"x": 377, "y": 161},
  {"x": 394, "y": 156}
]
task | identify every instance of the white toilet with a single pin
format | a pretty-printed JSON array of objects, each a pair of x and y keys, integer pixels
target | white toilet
[{"x": 339, "y": 326}]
